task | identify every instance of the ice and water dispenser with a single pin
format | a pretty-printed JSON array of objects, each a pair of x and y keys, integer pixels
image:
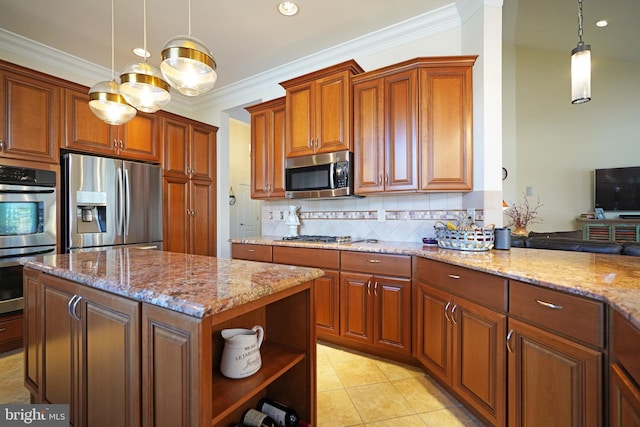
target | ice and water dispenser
[{"x": 91, "y": 211}]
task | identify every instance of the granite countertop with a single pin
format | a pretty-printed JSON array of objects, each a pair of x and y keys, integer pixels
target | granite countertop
[
  {"x": 191, "y": 284},
  {"x": 614, "y": 279}
]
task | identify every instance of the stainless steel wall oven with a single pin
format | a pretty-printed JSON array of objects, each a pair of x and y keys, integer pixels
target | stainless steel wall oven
[{"x": 27, "y": 226}]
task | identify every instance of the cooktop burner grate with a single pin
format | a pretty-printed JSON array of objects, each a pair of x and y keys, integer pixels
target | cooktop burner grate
[{"x": 324, "y": 239}]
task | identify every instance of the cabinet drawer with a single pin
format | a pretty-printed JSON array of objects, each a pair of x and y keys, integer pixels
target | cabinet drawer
[
  {"x": 482, "y": 288},
  {"x": 306, "y": 257},
  {"x": 252, "y": 252},
  {"x": 373, "y": 263},
  {"x": 571, "y": 315},
  {"x": 11, "y": 330}
]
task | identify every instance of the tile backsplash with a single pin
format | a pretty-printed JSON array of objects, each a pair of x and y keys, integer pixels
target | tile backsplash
[{"x": 403, "y": 218}]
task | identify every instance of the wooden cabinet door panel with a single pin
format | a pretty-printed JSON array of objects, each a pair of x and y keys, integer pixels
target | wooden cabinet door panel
[
  {"x": 327, "y": 290},
  {"x": 332, "y": 130},
  {"x": 203, "y": 153},
  {"x": 84, "y": 130},
  {"x": 368, "y": 130},
  {"x": 479, "y": 361},
  {"x": 401, "y": 156},
  {"x": 446, "y": 123},
  {"x": 277, "y": 151},
  {"x": 260, "y": 158},
  {"x": 31, "y": 118},
  {"x": 140, "y": 138},
  {"x": 300, "y": 121},
  {"x": 392, "y": 313},
  {"x": 33, "y": 333},
  {"x": 175, "y": 194},
  {"x": 109, "y": 386},
  {"x": 552, "y": 381},
  {"x": 202, "y": 229},
  {"x": 357, "y": 315},
  {"x": 433, "y": 331},
  {"x": 176, "y": 137},
  {"x": 624, "y": 399}
]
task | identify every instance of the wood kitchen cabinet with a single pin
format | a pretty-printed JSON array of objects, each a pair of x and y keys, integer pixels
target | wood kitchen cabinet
[
  {"x": 459, "y": 328},
  {"x": 555, "y": 363},
  {"x": 624, "y": 374},
  {"x": 375, "y": 298},
  {"x": 189, "y": 186},
  {"x": 138, "y": 139},
  {"x": 30, "y": 115},
  {"x": 318, "y": 110},
  {"x": 78, "y": 332},
  {"x": 413, "y": 126},
  {"x": 385, "y": 133},
  {"x": 327, "y": 287},
  {"x": 268, "y": 149}
]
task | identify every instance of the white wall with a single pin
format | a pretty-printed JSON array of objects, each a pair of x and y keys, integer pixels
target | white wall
[{"x": 559, "y": 144}]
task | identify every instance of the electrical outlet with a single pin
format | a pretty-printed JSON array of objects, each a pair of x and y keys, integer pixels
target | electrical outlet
[
  {"x": 471, "y": 213},
  {"x": 529, "y": 191},
  {"x": 382, "y": 215}
]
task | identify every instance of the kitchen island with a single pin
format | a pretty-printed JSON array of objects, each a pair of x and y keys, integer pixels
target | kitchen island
[{"x": 131, "y": 337}]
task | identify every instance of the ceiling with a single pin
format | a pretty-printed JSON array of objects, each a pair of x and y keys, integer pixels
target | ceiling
[{"x": 250, "y": 36}]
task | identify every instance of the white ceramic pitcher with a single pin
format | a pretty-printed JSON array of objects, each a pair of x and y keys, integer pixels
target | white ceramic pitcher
[{"x": 241, "y": 353}]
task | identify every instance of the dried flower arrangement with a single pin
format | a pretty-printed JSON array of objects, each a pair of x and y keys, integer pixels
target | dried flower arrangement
[{"x": 522, "y": 214}]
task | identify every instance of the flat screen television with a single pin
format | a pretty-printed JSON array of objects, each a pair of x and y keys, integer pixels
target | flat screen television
[{"x": 618, "y": 189}]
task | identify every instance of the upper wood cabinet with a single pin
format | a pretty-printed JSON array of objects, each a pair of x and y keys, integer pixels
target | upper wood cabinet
[
  {"x": 138, "y": 139},
  {"x": 30, "y": 115},
  {"x": 189, "y": 186},
  {"x": 267, "y": 149},
  {"x": 413, "y": 126},
  {"x": 318, "y": 108}
]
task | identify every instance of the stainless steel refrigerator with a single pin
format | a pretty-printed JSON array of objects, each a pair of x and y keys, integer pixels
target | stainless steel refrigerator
[{"x": 110, "y": 203}]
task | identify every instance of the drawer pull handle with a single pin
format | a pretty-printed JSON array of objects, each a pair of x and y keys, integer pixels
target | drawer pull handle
[
  {"x": 453, "y": 276},
  {"x": 3, "y": 329},
  {"x": 509, "y": 341},
  {"x": 549, "y": 305},
  {"x": 446, "y": 309},
  {"x": 251, "y": 250},
  {"x": 374, "y": 261}
]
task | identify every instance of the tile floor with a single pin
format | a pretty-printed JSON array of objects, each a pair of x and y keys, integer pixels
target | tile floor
[{"x": 353, "y": 390}]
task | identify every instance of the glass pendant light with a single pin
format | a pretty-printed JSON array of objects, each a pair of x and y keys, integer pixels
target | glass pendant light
[
  {"x": 141, "y": 83},
  {"x": 580, "y": 67},
  {"x": 188, "y": 65},
  {"x": 105, "y": 100}
]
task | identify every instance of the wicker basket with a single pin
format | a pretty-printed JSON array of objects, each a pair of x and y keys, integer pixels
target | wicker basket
[{"x": 465, "y": 240}]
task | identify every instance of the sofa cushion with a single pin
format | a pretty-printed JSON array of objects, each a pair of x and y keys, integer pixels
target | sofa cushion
[
  {"x": 631, "y": 248},
  {"x": 579, "y": 245},
  {"x": 573, "y": 234}
]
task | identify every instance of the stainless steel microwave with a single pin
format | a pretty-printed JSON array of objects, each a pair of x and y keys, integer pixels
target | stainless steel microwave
[{"x": 319, "y": 176}]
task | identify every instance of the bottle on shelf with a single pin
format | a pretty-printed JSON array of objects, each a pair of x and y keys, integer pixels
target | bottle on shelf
[
  {"x": 253, "y": 418},
  {"x": 281, "y": 413}
]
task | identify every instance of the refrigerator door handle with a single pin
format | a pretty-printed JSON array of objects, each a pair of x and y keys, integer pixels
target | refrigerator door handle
[
  {"x": 127, "y": 206},
  {"x": 119, "y": 210}
]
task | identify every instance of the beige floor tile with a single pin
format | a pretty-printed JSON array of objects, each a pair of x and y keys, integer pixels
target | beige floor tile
[
  {"x": 410, "y": 421},
  {"x": 335, "y": 409},
  {"x": 378, "y": 402},
  {"x": 397, "y": 371},
  {"x": 337, "y": 354},
  {"x": 327, "y": 378},
  {"x": 424, "y": 395},
  {"x": 450, "y": 417},
  {"x": 11, "y": 378},
  {"x": 354, "y": 373}
]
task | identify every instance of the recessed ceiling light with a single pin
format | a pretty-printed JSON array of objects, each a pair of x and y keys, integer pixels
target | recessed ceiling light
[
  {"x": 601, "y": 23},
  {"x": 288, "y": 8},
  {"x": 141, "y": 52}
]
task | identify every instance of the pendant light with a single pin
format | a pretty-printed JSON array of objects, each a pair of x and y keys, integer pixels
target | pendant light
[
  {"x": 105, "y": 100},
  {"x": 188, "y": 65},
  {"x": 580, "y": 67},
  {"x": 142, "y": 84}
]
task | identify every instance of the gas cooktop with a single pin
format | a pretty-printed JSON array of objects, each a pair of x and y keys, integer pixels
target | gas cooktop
[{"x": 323, "y": 239}]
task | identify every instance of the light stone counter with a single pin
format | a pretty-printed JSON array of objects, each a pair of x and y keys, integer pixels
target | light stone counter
[
  {"x": 191, "y": 284},
  {"x": 614, "y": 279}
]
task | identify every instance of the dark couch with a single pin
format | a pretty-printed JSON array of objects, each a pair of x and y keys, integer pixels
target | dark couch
[{"x": 572, "y": 241}]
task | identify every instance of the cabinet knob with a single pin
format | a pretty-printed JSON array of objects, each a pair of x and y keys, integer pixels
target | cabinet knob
[{"x": 1, "y": 144}]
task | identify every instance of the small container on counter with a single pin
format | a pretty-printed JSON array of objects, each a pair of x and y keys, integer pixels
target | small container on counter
[{"x": 502, "y": 238}]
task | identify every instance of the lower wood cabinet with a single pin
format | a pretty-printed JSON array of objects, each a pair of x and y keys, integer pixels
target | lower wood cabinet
[
  {"x": 376, "y": 307},
  {"x": 624, "y": 374},
  {"x": 11, "y": 326},
  {"x": 461, "y": 343},
  {"x": 553, "y": 381},
  {"x": 87, "y": 353}
]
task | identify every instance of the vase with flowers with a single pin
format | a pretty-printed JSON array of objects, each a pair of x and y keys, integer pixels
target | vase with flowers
[{"x": 522, "y": 214}]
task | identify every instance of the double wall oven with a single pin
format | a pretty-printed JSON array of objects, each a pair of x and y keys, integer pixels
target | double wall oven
[{"x": 27, "y": 226}]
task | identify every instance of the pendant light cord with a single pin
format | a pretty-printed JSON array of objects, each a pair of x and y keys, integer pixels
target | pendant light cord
[
  {"x": 144, "y": 28},
  {"x": 580, "y": 42},
  {"x": 113, "y": 61},
  {"x": 189, "y": 18}
]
